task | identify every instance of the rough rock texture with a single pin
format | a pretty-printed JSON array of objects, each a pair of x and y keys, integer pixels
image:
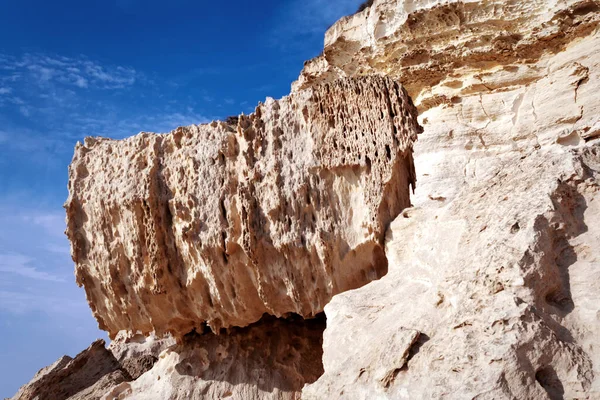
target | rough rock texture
[
  {"x": 88, "y": 376},
  {"x": 137, "y": 353},
  {"x": 493, "y": 287},
  {"x": 220, "y": 224},
  {"x": 493, "y": 283},
  {"x": 481, "y": 301},
  {"x": 272, "y": 358}
]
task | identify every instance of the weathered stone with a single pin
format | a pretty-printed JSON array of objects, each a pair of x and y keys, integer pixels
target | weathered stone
[
  {"x": 272, "y": 359},
  {"x": 496, "y": 267},
  {"x": 492, "y": 290},
  {"x": 137, "y": 353},
  {"x": 221, "y": 224},
  {"x": 88, "y": 376}
]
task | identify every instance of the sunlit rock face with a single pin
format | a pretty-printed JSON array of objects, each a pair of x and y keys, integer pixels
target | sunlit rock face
[
  {"x": 492, "y": 290},
  {"x": 221, "y": 223}
]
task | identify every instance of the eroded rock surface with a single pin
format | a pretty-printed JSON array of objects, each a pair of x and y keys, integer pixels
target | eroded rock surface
[
  {"x": 137, "y": 353},
  {"x": 88, "y": 376},
  {"x": 492, "y": 290},
  {"x": 221, "y": 224},
  {"x": 504, "y": 299},
  {"x": 272, "y": 359}
]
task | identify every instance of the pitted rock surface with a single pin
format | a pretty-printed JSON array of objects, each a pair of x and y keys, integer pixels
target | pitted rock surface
[{"x": 220, "y": 224}]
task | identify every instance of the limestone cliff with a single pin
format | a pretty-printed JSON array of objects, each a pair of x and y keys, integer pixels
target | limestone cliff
[
  {"x": 222, "y": 224},
  {"x": 492, "y": 288}
]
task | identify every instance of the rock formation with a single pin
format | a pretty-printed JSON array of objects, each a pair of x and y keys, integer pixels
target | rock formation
[
  {"x": 86, "y": 377},
  {"x": 222, "y": 224},
  {"x": 272, "y": 358},
  {"x": 492, "y": 288}
]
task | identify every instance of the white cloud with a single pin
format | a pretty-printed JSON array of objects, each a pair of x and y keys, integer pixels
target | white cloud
[
  {"x": 21, "y": 302},
  {"x": 26, "y": 111},
  {"x": 81, "y": 82},
  {"x": 58, "y": 249},
  {"x": 18, "y": 264},
  {"x": 5, "y": 90},
  {"x": 78, "y": 72},
  {"x": 53, "y": 223}
]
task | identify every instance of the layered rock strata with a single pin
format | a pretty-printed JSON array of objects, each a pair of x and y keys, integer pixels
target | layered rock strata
[
  {"x": 492, "y": 287},
  {"x": 221, "y": 223},
  {"x": 492, "y": 290}
]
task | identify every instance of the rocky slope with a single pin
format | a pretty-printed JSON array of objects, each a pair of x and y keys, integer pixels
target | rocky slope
[{"x": 492, "y": 288}]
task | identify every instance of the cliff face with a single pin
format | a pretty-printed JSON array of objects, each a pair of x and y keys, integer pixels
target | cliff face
[
  {"x": 492, "y": 290},
  {"x": 492, "y": 287},
  {"x": 221, "y": 224}
]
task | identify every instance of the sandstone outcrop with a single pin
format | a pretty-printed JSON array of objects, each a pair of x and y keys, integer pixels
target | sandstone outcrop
[
  {"x": 503, "y": 290},
  {"x": 492, "y": 288},
  {"x": 272, "y": 358},
  {"x": 86, "y": 377},
  {"x": 220, "y": 224}
]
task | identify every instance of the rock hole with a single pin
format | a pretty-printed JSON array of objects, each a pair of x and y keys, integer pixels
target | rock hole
[
  {"x": 549, "y": 380},
  {"x": 586, "y": 8},
  {"x": 515, "y": 228},
  {"x": 557, "y": 298},
  {"x": 223, "y": 209}
]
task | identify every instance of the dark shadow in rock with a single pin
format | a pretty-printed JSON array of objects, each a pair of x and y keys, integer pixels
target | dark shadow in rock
[
  {"x": 570, "y": 207},
  {"x": 414, "y": 349},
  {"x": 282, "y": 353},
  {"x": 549, "y": 380}
]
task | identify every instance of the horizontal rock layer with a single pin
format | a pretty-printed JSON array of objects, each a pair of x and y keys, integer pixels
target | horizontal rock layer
[
  {"x": 222, "y": 223},
  {"x": 492, "y": 290}
]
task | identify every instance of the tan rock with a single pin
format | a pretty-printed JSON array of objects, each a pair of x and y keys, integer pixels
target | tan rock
[
  {"x": 137, "y": 353},
  {"x": 221, "y": 224},
  {"x": 88, "y": 376},
  {"x": 271, "y": 359},
  {"x": 494, "y": 296},
  {"x": 492, "y": 290}
]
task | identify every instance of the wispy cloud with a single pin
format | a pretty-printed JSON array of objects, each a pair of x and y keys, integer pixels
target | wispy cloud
[
  {"x": 79, "y": 72},
  {"x": 19, "y": 264},
  {"x": 53, "y": 223},
  {"x": 26, "y": 301}
]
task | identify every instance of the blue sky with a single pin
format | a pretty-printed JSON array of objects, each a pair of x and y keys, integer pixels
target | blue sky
[{"x": 70, "y": 69}]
